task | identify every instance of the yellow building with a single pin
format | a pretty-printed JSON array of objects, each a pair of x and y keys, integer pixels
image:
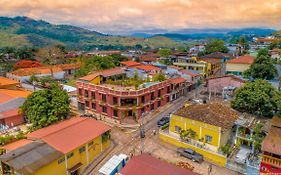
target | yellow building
[
  {"x": 65, "y": 148},
  {"x": 238, "y": 65},
  {"x": 203, "y": 128},
  {"x": 205, "y": 68}
]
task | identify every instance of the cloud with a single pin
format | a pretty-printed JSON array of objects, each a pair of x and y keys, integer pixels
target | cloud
[{"x": 119, "y": 16}]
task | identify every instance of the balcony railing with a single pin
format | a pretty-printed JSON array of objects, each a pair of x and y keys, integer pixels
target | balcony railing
[{"x": 271, "y": 160}]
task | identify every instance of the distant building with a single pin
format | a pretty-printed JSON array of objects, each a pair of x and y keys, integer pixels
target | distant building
[
  {"x": 10, "y": 101},
  {"x": 146, "y": 164},
  {"x": 275, "y": 54},
  {"x": 65, "y": 148},
  {"x": 238, "y": 65},
  {"x": 217, "y": 84},
  {"x": 222, "y": 57},
  {"x": 271, "y": 148}
]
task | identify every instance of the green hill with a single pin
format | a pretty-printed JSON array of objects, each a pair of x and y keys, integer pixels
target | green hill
[{"x": 24, "y": 31}]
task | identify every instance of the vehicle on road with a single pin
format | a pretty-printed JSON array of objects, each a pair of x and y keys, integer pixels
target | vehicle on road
[
  {"x": 190, "y": 154},
  {"x": 163, "y": 121}
]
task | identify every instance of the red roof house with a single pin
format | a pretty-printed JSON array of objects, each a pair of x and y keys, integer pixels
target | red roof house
[{"x": 146, "y": 164}]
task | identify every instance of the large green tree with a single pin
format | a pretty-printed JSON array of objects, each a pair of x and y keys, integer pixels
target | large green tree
[
  {"x": 44, "y": 107},
  {"x": 258, "y": 98},
  {"x": 164, "y": 52},
  {"x": 215, "y": 46},
  {"x": 263, "y": 67}
]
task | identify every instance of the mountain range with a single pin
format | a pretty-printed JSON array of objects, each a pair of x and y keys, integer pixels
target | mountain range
[{"x": 24, "y": 31}]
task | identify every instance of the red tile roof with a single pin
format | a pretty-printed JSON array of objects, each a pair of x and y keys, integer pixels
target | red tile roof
[
  {"x": 4, "y": 82},
  {"x": 145, "y": 164},
  {"x": 247, "y": 59},
  {"x": 177, "y": 80},
  {"x": 148, "y": 68},
  {"x": 130, "y": 63},
  {"x": 36, "y": 70},
  {"x": 174, "y": 67},
  {"x": 105, "y": 73},
  {"x": 70, "y": 134},
  {"x": 192, "y": 74},
  {"x": 7, "y": 94},
  {"x": 272, "y": 142}
]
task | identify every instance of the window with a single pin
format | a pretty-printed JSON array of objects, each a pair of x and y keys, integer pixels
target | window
[
  {"x": 61, "y": 160},
  {"x": 152, "y": 107},
  {"x": 70, "y": 155},
  {"x": 86, "y": 93},
  {"x": 159, "y": 93},
  {"x": 103, "y": 97},
  {"x": 115, "y": 101},
  {"x": 208, "y": 138},
  {"x": 159, "y": 103},
  {"x": 104, "y": 109},
  {"x": 115, "y": 113},
  {"x": 152, "y": 96},
  {"x": 142, "y": 99},
  {"x": 90, "y": 143},
  {"x": 87, "y": 103},
  {"x": 177, "y": 129},
  {"x": 80, "y": 91},
  {"x": 93, "y": 105},
  {"x": 82, "y": 149},
  {"x": 93, "y": 95}
]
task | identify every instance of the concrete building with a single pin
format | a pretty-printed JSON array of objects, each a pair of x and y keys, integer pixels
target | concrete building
[
  {"x": 105, "y": 93},
  {"x": 65, "y": 148},
  {"x": 238, "y": 65}
]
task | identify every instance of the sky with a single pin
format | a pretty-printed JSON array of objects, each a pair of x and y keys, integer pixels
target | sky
[{"x": 128, "y": 16}]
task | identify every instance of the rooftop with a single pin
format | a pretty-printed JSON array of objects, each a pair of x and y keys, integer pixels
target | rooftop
[
  {"x": 30, "y": 157},
  {"x": 247, "y": 59},
  {"x": 130, "y": 63},
  {"x": 218, "y": 55},
  {"x": 17, "y": 144},
  {"x": 9, "y": 113},
  {"x": 74, "y": 132},
  {"x": 233, "y": 77},
  {"x": 36, "y": 71},
  {"x": 7, "y": 94},
  {"x": 272, "y": 142},
  {"x": 145, "y": 164},
  {"x": 213, "y": 113},
  {"x": 147, "y": 68},
  {"x": 192, "y": 73},
  {"x": 177, "y": 80},
  {"x": 4, "y": 82},
  {"x": 105, "y": 73}
]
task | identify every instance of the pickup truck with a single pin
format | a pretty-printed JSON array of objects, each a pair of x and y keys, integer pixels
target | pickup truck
[{"x": 190, "y": 154}]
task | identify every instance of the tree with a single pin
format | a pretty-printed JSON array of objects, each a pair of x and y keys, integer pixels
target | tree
[
  {"x": 274, "y": 45},
  {"x": 262, "y": 68},
  {"x": 164, "y": 52},
  {"x": 244, "y": 45},
  {"x": 44, "y": 107},
  {"x": 159, "y": 77},
  {"x": 215, "y": 46},
  {"x": 259, "y": 98}
]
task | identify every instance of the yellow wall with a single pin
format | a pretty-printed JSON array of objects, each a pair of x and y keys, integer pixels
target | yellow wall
[
  {"x": 96, "y": 80},
  {"x": 55, "y": 168},
  {"x": 215, "y": 158},
  {"x": 206, "y": 129},
  {"x": 237, "y": 67}
]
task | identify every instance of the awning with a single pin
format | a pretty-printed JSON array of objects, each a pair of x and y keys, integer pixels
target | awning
[{"x": 75, "y": 167}]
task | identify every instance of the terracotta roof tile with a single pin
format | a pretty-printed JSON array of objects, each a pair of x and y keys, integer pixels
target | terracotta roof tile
[
  {"x": 177, "y": 80},
  {"x": 148, "y": 68},
  {"x": 36, "y": 71},
  {"x": 4, "y": 82},
  {"x": 7, "y": 94},
  {"x": 272, "y": 142},
  {"x": 105, "y": 73},
  {"x": 70, "y": 134},
  {"x": 130, "y": 63},
  {"x": 9, "y": 113},
  {"x": 215, "y": 113},
  {"x": 193, "y": 74},
  {"x": 145, "y": 164},
  {"x": 242, "y": 60}
]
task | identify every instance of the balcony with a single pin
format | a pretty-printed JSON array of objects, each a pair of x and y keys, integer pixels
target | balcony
[{"x": 271, "y": 160}]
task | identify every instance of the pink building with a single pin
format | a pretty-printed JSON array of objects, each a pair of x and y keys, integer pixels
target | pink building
[{"x": 216, "y": 84}]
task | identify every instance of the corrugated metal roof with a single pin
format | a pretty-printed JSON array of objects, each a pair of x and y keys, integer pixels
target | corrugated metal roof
[{"x": 31, "y": 157}]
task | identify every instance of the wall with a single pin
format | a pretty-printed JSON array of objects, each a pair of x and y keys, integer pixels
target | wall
[
  {"x": 16, "y": 120},
  {"x": 96, "y": 80},
  {"x": 213, "y": 157},
  {"x": 94, "y": 150},
  {"x": 230, "y": 67},
  {"x": 201, "y": 129}
]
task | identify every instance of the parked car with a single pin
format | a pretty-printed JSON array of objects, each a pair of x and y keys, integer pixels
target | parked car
[
  {"x": 163, "y": 121},
  {"x": 190, "y": 154}
]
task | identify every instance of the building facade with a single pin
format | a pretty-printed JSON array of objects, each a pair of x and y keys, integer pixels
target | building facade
[
  {"x": 65, "y": 148},
  {"x": 238, "y": 65},
  {"x": 271, "y": 147}
]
